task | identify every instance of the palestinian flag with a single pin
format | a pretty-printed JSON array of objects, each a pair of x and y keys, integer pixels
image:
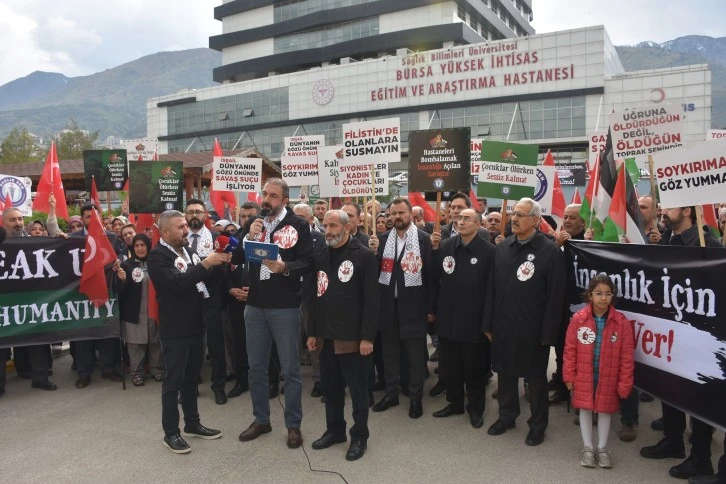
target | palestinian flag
[
  {"x": 607, "y": 177},
  {"x": 624, "y": 217},
  {"x": 586, "y": 210},
  {"x": 558, "y": 197},
  {"x": 710, "y": 219}
]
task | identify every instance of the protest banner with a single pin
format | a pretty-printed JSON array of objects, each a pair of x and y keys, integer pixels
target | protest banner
[
  {"x": 156, "y": 186},
  {"x": 440, "y": 160},
  {"x": 329, "y": 158},
  {"x": 18, "y": 191},
  {"x": 640, "y": 132},
  {"x": 40, "y": 302},
  {"x": 372, "y": 142},
  {"x": 299, "y": 160},
  {"x": 357, "y": 180},
  {"x": 475, "y": 154},
  {"x": 140, "y": 149},
  {"x": 713, "y": 134},
  {"x": 596, "y": 144},
  {"x": 572, "y": 173},
  {"x": 692, "y": 176},
  {"x": 236, "y": 174},
  {"x": 108, "y": 167},
  {"x": 670, "y": 296},
  {"x": 508, "y": 170}
]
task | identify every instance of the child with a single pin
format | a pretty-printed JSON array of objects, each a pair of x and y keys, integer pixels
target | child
[{"x": 598, "y": 365}]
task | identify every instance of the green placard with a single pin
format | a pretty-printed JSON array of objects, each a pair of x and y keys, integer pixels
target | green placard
[
  {"x": 156, "y": 186},
  {"x": 508, "y": 171},
  {"x": 108, "y": 167}
]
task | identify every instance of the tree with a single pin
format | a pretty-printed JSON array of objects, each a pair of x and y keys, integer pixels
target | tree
[
  {"x": 19, "y": 147},
  {"x": 71, "y": 142}
]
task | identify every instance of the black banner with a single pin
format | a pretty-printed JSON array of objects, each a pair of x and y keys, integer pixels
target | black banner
[
  {"x": 156, "y": 186},
  {"x": 572, "y": 173},
  {"x": 439, "y": 160},
  {"x": 39, "y": 298},
  {"x": 674, "y": 297},
  {"x": 108, "y": 167}
]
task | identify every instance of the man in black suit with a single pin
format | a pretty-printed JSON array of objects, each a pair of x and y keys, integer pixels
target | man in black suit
[{"x": 178, "y": 274}]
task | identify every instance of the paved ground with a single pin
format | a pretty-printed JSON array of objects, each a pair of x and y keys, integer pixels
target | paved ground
[{"x": 104, "y": 434}]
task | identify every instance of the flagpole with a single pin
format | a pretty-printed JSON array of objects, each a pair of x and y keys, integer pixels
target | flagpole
[
  {"x": 653, "y": 189},
  {"x": 365, "y": 214},
  {"x": 699, "y": 219},
  {"x": 373, "y": 187},
  {"x": 437, "y": 222},
  {"x": 596, "y": 184}
]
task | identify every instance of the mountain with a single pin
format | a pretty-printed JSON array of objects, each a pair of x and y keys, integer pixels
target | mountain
[
  {"x": 112, "y": 101},
  {"x": 691, "y": 49}
]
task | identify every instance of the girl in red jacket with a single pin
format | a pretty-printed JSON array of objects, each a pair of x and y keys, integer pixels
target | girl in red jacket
[{"x": 598, "y": 366}]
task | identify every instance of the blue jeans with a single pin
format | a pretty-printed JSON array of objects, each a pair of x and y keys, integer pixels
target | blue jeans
[{"x": 282, "y": 325}]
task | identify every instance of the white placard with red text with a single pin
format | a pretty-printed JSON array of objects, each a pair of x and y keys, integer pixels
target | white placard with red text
[
  {"x": 236, "y": 174},
  {"x": 369, "y": 142},
  {"x": 299, "y": 161},
  {"x": 638, "y": 133},
  {"x": 357, "y": 180}
]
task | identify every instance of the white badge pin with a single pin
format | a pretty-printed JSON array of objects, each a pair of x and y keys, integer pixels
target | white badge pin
[
  {"x": 449, "y": 264},
  {"x": 137, "y": 275},
  {"x": 345, "y": 271},
  {"x": 180, "y": 264},
  {"x": 530, "y": 257},
  {"x": 525, "y": 271},
  {"x": 585, "y": 335},
  {"x": 474, "y": 260}
]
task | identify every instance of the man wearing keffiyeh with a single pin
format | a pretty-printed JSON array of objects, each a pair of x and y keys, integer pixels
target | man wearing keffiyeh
[{"x": 403, "y": 258}]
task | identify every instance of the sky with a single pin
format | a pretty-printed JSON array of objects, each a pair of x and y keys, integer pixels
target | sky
[{"x": 81, "y": 37}]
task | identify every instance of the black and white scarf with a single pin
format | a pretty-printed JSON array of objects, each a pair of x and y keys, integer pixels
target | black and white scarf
[{"x": 411, "y": 262}]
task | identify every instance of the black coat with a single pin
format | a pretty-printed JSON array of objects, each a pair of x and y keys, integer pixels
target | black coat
[
  {"x": 413, "y": 302},
  {"x": 129, "y": 292},
  {"x": 689, "y": 238},
  {"x": 180, "y": 304},
  {"x": 282, "y": 291},
  {"x": 528, "y": 292},
  {"x": 459, "y": 290},
  {"x": 345, "y": 304}
]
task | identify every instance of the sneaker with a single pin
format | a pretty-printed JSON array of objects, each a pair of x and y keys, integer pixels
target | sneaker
[
  {"x": 604, "y": 459},
  {"x": 587, "y": 457},
  {"x": 628, "y": 433}
]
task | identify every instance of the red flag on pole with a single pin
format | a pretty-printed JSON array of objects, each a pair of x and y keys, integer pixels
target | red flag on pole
[
  {"x": 152, "y": 305},
  {"x": 474, "y": 202},
  {"x": 51, "y": 182},
  {"x": 95, "y": 201},
  {"x": 219, "y": 197},
  {"x": 576, "y": 197},
  {"x": 8, "y": 201},
  {"x": 558, "y": 197},
  {"x": 99, "y": 253},
  {"x": 418, "y": 200}
]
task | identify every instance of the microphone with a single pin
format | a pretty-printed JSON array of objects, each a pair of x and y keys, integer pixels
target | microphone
[
  {"x": 225, "y": 244},
  {"x": 263, "y": 213}
]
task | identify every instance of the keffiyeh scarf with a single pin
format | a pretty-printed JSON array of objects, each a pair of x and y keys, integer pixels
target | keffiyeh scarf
[{"x": 411, "y": 262}]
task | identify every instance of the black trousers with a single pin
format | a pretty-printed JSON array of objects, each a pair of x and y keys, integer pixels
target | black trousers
[
  {"x": 85, "y": 355},
  {"x": 4, "y": 357},
  {"x": 337, "y": 371},
  {"x": 237, "y": 319},
  {"x": 183, "y": 361},
  {"x": 674, "y": 425},
  {"x": 465, "y": 364},
  {"x": 377, "y": 372},
  {"x": 35, "y": 360},
  {"x": 215, "y": 342},
  {"x": 538, "y": 400},
  {"x": 415, "y": 350}
]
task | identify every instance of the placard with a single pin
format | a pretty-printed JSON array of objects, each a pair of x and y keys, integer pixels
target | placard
[
  {"x": 440, "y": 160},
  {"x": 18, "y": 189},
  {"x": 508, "y": 170},
  {"x": 108, "y": 167},
  {"x": 371, "y": 142},
  {"x": 713, "y": 134},
  {"x": 329, "y": 158},
  {"x": 475, "y": 165},
  {"x": 143, "y": 148},
  {"x": 236, "y": 174},
  {"x": 596, "y": 144},
  {"x": 356, "y": 180},
  {"x": 156, "y": 186},
  {"x": 640, "y": 132},
  {"x": 299, "y": 161}
]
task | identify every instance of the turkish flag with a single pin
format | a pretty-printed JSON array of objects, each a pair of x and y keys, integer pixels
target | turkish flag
[
  {"x": 95, "y": 201},
  {"x": 152, "y": 305},
  {"x": 51, "y": 182},
  {"x": 219, "y": 197},
  {"x": 558, "y": 196},
  {"x": 418, "y": 200},
  {"x": 99, "y": 253},
  {"x": 474, "y": 202}
]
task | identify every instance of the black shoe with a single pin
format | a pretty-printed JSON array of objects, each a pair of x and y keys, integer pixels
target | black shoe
[
  {"x": 379, "y": 386},
  {"x": 83, "y": 381},
  {"x": 448, "y": 411},
  {"x": 646, "y": 397},
  {"x": 663, "y": 450},
  {"x": 477, "y": 420},
  {"x": 657, "y": 424},
  {"x": 111, "y": 375},
  {"x": 438, "y": 389},
  {"x": 356, "y": 450},
  {"x": 434, "y": 356},
  {"x": 44, "y": 385},
  {"x": 559, "y": 396},
  {"x": 327, "y": 440},
  {"x": 274, "y": 390},
  {"x": 415, "y": 410},
  {"x": 230, "y": 377},
  {"x": 691, "y": 467},
  {"x": 385, "y": 403},
  {"x": 202, "y": 432},
  {"x": 370, "y": 399},
  {"x": 220, "y": 398},
  {"x": 176, "y": 444},
  {"x": 534, "y": 437},
  {"x": 707, "y": 480},
  {"x": 499, "y": 427},
  {"x": 238, "y": 389},
  {"x": 316, "y": 393}
]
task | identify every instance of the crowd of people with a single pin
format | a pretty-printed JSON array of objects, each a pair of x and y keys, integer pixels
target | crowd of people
[{"x": 488, "y": 290}]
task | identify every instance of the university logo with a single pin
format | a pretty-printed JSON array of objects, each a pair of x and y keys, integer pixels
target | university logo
[
  {"x": 438, "y": 184},
  {"x": 541, "y": 188},
  {"x": 438, "y": 142},
  {"x": 15, "y": 189},
  {"x": 140, "y": 147},
  {"x": 506, "y": 190}
]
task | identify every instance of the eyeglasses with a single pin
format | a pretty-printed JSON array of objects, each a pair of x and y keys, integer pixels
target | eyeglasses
[
  {"x": 606, "y": 295},
  {"x": 467, "y": 219},
  {"x": 194, "y": 213},
  {"x": 520, "y": 214}
]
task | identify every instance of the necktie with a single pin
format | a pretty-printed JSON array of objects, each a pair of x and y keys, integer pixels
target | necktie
[{"x": 195, "y": 241}]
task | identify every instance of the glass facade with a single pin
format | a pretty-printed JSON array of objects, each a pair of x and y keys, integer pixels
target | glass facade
[
  {"x": 291, "y": 9},
  {"x": 328, "y": 35},
  {"x": 542, "y": 119},
  {"x": 266, "y": 106}
]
